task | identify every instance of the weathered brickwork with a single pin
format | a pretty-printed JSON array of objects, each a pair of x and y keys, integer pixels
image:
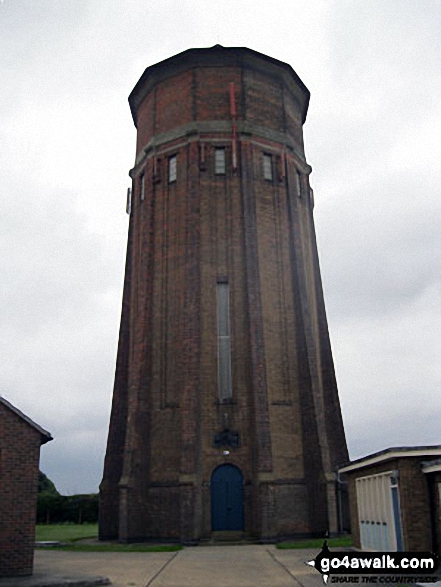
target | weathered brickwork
[
  {"x": 20, "y": 442},
  {"x": 185, "y": 237}
]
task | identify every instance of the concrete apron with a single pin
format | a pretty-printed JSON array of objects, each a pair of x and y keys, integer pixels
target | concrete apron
[{"x": 208, "y": 566}]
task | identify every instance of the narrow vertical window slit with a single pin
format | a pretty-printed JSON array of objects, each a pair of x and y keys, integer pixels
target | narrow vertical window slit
[
  {"x": 267, "y": 167},
  {"x": 219, "y": 161},
  {"x": 142, "y": 187},
  {"x": 224, "y": 341},
  {"x": 172, "y": 169}
]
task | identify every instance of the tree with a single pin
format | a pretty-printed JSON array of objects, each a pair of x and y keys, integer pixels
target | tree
[
  {"x": 49, "y": 501},
  {"x": 45, "y": 485}
]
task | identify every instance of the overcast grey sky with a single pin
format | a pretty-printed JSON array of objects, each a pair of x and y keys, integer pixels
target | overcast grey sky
[{"x": 372, "y": 137}]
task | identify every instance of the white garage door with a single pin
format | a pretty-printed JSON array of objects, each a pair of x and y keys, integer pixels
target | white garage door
[{"x": 379, "y": 515}]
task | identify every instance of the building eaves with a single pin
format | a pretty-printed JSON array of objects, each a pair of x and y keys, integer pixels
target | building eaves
[
  {"x": 45, "y": 435},
  {"x": 431, "y": 466},
  {"x": 391, "y": 453}
]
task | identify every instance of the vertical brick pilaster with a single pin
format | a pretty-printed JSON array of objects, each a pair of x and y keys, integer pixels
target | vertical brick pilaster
[
  {"x": 189, "y": 403},
  {"x": 259, "y": 389},
  {"x": 113, "y": 464}
]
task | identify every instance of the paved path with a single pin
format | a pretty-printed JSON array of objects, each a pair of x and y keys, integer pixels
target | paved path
[{"x": 203, "y": 566}]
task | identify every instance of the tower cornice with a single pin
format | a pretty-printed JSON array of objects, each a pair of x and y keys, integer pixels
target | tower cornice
[{"x": 218, "y": 56}]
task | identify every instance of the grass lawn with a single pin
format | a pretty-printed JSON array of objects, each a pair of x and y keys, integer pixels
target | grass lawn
[
  {"x": 65, "y": 532},
  {"x": 342, "y": 542},
  {"x": 71, "y": 534}
]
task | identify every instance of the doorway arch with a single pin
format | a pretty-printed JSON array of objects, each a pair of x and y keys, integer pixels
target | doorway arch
[{"x": 227, "y": 499}]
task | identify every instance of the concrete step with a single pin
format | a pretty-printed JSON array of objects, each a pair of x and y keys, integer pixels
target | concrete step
[{"x": 228, "y": 538}]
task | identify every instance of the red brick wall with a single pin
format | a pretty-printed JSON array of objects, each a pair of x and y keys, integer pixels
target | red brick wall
[
  {"x": 146, "y": 122},
  {"x": 19, "y": 456},
  {"x": 264, "y": 100},
  {"x": 212, "y": 89},
  {"x": 173, "y": 103}
]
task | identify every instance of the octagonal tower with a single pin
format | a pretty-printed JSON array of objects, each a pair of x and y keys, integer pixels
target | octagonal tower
[{"x": 225, "y": 414}]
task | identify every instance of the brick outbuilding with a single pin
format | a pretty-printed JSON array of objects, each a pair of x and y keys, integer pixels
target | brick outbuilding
[
  {"x": 20, "y": 441},
  {"x": 395, "y": 499}
]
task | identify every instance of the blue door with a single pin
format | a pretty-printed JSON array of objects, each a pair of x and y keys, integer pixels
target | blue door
[{"x": 227, "y": 499}]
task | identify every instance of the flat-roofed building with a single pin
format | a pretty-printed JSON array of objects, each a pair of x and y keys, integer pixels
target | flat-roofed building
[{"x": 395, "y": 499}]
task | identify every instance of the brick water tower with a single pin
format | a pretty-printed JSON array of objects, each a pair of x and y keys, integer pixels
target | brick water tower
[{"x": 225, "y": 415}]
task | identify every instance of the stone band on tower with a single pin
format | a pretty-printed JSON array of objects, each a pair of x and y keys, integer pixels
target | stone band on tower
[{"x": 225, "y": 412}]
